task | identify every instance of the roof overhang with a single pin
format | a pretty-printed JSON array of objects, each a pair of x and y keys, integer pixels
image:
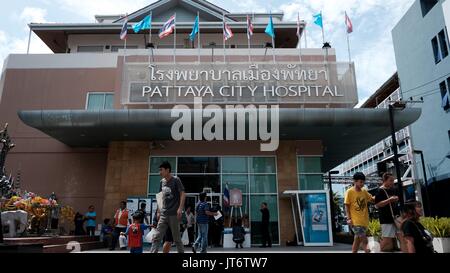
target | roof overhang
[{"x": 343, "y": 132}]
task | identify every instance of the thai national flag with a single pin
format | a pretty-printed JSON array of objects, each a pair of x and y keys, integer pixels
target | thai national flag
[
  {"x": 226, "y": 196},
  {"x": 249, "y": 27},
  {"x": 124, "y": 31},
  {"x": 227, "y": 33},
  {"x": 348, "y": 23},
  {"x": 167, "y": 28}
]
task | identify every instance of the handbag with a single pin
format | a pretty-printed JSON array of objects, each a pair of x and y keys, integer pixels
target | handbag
[
  {"x": 149, "y": 237},
  {"x": 398, "y": 220},
  {"x": 185, "y": 238}
]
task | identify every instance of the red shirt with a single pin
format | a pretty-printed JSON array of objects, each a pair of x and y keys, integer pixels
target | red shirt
[{"x": 135, "y": 234}]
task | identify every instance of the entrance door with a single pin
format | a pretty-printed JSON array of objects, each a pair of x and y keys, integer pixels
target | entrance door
[{"x": 191, "y": 200}]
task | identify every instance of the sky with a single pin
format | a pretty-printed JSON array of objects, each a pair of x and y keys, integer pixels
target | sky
[{"x": 370, "y": 43}]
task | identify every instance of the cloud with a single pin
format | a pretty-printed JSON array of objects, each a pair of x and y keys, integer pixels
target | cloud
[
  {"x": 87, "y": 9},
  {"x": 33, "y": 15},
  {"x": 371, "y": 42},
  {"x": 17, "y": 42}
]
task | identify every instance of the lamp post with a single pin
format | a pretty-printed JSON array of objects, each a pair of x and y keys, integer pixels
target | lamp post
[
  {"x": 399, "y": 105},
  {"x": 425, "y": 179},
  {"x": 330, "y": 188}
]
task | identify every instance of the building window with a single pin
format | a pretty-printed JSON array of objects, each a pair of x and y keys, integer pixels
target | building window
[
  {"x": 309, "y": 173},
  {"x": 443, "y": 44},
  {"x": 100, "y": 101},
  {"x": 116, "y": 48},
  {"x": 440, "y": 46},
  {"x": 445, "y": 99},
  {"x": 436, "y": 53},
  {"x": 90, "y": 49},
  {"x": 427, "y": 5}
]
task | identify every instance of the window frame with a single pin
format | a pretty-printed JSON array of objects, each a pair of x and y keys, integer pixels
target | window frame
[{"x": 104, "y": 100}]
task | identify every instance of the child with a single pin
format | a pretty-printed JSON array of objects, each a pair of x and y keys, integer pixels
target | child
[
  {"x": 106, "y": 233},
  {"x": 135, "y": 233},
  {"x": 238, "y": 233}
]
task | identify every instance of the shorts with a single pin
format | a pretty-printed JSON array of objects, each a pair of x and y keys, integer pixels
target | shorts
[
  {"x": 168, "y": 236},
  {"x": 359, "y": 231},
  {"x": 388, "y": 230}
]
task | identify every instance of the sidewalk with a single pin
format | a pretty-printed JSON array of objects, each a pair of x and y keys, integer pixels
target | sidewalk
[{"x": 337, "y": 248}]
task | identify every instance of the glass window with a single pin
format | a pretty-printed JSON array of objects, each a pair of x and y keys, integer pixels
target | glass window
[
  {"x": 436, "y": 53},
  {"x": 234, "y": 165},
  {"x": 100, "y": 101},
  {"x": 153, "y": 184},
  {"x": 445, "y": 102},
  {"x": 310, "y": 182},
  {"x": 116, "y": 48},
  {"x": 255, "y": 204},
  {"x": 309, "y": 165},
  {"x": 262, "y": 165},
  {"x": 427, "y": 5},
  {"x": 90, "y": 49},
  {"x": 263, "y": 183},
  {"x": 236, "y": 181},
  {"x": 109, "y": 103},
  {"x": 155, "y": 161},
  {"x": 198, "y": 165},
  {"x": 443, "y": 44},
  {"x": 196, "y": 183},
  {"x": 95, "y": 101}
]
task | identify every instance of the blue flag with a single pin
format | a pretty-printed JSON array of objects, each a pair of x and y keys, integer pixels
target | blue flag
[
  {"x": 318, "y": 19},
  {"x": 269, "y": 29},
  {"x": 195, "y": 29},
  {"x": 144, "y": 24}
]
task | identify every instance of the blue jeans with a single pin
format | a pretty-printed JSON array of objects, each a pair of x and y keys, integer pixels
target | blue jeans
[
  {"x": 202, "y": 238},
  {"x": 136, "y": 250}
]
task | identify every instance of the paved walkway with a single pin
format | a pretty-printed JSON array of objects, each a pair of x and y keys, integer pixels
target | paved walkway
[{"x": 337, "y": 248}]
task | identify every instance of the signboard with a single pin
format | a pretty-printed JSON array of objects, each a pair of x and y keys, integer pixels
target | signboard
[
  {"x": 235, "y": 198},
  {"x": 315, "y": 218},
  {"x": 258, "y": 83}
]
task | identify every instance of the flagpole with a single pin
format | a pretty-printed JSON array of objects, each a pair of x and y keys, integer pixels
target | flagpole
[
  {"x": 323, "y": 32},
  {"x": 348, "y": 40},
  {"x": 224, "y": 40},
  {"x": 199, "y": 45},
  {"x": 273, "y": 39},
  {"x": 299, "y": 38},
  {"x": 29, "y": 41},
  {"x": 175, "y": 39},
  {"x": 248, "y": 39},
  {"x": 306, "y": 43},
  {"x": 150, "y": 39},
  {"x": 150, "y": 31}
]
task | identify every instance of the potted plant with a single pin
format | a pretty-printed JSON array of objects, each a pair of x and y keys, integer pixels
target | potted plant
[
  {"x": 440, "y": 229},
  {"x": 374, "y": 235}
]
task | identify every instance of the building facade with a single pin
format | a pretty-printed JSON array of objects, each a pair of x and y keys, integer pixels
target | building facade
[
  {"x": 93, "y": 121},
  {"x": 421, "y": 45}
]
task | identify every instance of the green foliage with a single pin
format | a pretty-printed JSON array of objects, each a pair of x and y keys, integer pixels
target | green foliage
[
  {"x": 439, "y": 227},
  {"x": 374, "y": 228}
]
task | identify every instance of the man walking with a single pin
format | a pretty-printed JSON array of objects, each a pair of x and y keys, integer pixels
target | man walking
[
  {"x": 266, "y": 241},
  {"x": 203, "y": 213},
  {"x": 356, "y": 200},
  {"x": 386, "y": 201},
  {"x": 173, "y": 197}
]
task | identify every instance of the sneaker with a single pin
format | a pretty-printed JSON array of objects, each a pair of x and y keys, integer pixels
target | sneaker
[{"x": 193, "y": 249}]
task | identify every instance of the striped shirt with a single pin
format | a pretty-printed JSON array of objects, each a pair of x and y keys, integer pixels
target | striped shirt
[{"x": 201, "y": 209}]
